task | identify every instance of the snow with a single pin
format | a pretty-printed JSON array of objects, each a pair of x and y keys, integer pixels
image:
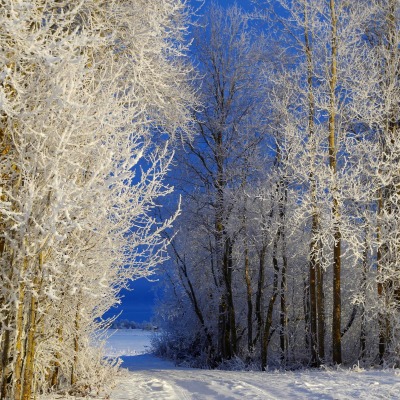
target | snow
[
  {"x": 128, "y": 342},
  {"x": 147, "y": 377}
]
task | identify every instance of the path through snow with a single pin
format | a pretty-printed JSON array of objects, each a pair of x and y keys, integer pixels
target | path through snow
[{"x": 149, "y": 378}]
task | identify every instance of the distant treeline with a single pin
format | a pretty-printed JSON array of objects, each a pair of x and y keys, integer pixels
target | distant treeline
[{"x": 126, "y": 324}]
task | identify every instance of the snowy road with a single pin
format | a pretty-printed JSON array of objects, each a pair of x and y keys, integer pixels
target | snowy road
[{"x": 150, "y": 378}]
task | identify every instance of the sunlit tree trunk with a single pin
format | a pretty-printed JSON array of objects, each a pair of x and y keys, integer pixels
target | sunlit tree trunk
[
  {"x": 74, "y": 367},
  {"x": 6, "y": 339},
  {"x": 54, "y": 375},
  {"x": 6, "y": 275},
  {"x": 31, "y": 332},
  {"x": 20, "y": 332}
]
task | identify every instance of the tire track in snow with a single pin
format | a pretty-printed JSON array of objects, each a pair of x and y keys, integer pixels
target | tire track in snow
[
  {"x": 186, "y": 384},
  {"x": 148, "y": 386}
]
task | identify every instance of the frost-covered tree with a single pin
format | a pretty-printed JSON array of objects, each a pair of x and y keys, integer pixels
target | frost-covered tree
[
  {"x": 327, "y": 41},
  {"x": 379, "y": 110},
  {"x": 85, "y": 87},
  {"x": 231, "y": 60},
  {"x": 218, "y": 166}
]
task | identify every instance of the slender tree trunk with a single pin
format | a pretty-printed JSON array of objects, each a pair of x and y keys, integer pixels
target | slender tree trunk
[
  {"x": 56, "y": 370},
  {"x": 76, "y": 343},
  {"x": 260, "y": 294},
  {"x": 265, "y": 337},
  {"x": 306, "y": 308},
  {"x": 268, "y": 319},
  {"x": 387, "y": 287},
  {"x": 320, "y": 314},
  {"x": 249, "y": 293},
  {"x": 222, "y": 350},
  {"x": 337, "y": 307},
  {"x": 381, "y": 316},
  {"x": 6, "y": 276},
  {"x": 5, "y": 370},
  {"x": 192, "y": 296},
  {"x": 363, "y": 331},
  {"x": 283, "y": 312},
  {"x": 224, "y": 318},
  {"x": 19, "y": 349},
  {"x": 28, "y": 380},
  {"x": 283, "y": 340},
  {"x": 231, "y": 319},
  {"x": 313, "y": 316},
  {"x": 6, "y": 373},
  {"x": 317, "y": 319},
  {"x": 186, "y": 282},
  {"x": 31, "y": 333}
]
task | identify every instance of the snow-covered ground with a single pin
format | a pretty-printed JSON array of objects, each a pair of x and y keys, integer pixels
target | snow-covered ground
[
  {"x": 149, "y": 378},
  {"x": 128, "y": 342}
]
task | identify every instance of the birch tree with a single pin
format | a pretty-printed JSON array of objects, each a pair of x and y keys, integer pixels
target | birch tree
[
  {"x": 85, "y": 86},
  {"x": 378, "y": 108}
]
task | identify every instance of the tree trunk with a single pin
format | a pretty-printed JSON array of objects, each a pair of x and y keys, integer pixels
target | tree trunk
[
  {"x": 19, "y": 349},
  {"x": 265, "y": 338},
  {"x": 186, "y": 281},
  {"x": 387, "y": 287},
  {"x": 320, "y": 314},
  {"x": 380, "y": 289},
  {"x": 363, "y": 331},
  {"x": 31, "y": 333},
  {"x": 313, "y": 316},
  {"x": 76, "y": 343},
  {"x": 6, "y": 257},
  {"x": 260, "y": 294},
  {"x": 249, "y": 293},
  {"x": 337, "y": 307},
  {"x": 30, "y": 348},
  {"x": 225, "y": 317},
  {"x": 317, "y": 320},
  {"x": 306, "y": 309},
  {"x": 283, "y": 340},
  {"x": 283, "y": 312},
  {"x": 6, "y": 372},
  {"x": 56, "y": 370},
  {"x": 231, "y": 336}
]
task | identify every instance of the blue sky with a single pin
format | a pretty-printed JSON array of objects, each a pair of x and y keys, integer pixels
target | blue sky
[
  {"x": 137, "y": 304},
  {"x": 246, "y": 4}
]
